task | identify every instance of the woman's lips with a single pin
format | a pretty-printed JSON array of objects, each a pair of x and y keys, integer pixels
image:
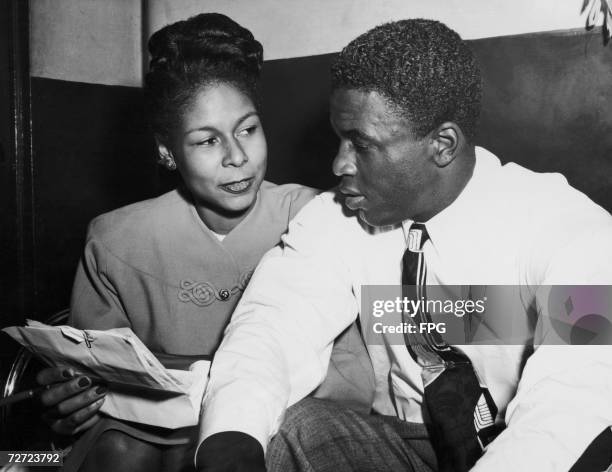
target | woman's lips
[{"x": 238, "y": 186}]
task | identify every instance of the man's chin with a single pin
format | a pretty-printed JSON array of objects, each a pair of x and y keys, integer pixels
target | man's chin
[
  {"x": 368, "y": 218},
  {"x": 373, "y": 219}
]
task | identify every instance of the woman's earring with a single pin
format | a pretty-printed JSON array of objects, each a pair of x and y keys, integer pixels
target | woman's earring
[{"x": 167, "y": 162}]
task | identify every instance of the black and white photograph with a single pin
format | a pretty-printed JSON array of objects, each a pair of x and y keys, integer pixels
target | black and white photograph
[{"x": 306, "y": 235}]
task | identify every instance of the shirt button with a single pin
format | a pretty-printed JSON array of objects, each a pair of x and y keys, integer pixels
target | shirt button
[{"x": 224, "y": 294}]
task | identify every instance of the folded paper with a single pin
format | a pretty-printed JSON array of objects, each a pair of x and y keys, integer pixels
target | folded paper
[{"x": 141, "y": 389}]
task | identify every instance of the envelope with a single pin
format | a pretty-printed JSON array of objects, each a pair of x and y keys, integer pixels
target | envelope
[{"x": 140, "y": 388}]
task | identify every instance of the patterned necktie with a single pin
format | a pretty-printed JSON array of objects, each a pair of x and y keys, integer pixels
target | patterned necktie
[{"x": 461, "y": 412}]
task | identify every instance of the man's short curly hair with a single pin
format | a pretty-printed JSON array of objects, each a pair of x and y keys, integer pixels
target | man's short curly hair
[{"x": 422, "y": 67}]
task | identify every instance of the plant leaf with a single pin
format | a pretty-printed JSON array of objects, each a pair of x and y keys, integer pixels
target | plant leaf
[
  {"x": 593, "y": 15},
  {"x": 607, "y": 25}
]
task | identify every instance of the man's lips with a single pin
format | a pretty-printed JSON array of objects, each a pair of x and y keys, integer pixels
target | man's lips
[
  {"x": 238, "y": 186},
  {"x": 352, "y": 198}
]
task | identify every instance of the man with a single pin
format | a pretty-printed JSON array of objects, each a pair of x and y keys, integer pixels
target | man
[{"x": 405, "y": 104}]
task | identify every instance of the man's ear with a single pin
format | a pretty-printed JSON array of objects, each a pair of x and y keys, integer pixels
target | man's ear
[
  {"x": 165, "y": 154},
  {"x": 446, "y": 141}
]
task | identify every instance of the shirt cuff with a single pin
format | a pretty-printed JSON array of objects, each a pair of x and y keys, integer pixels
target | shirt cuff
[{"x": 228, "y": 411}]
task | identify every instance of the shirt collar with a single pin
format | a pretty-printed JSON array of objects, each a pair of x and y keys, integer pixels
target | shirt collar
[{"x": 448, "y": 228}]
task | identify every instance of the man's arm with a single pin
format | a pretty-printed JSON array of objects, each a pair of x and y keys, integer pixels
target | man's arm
[
  {"x": 562, "y": 405},
  {"x": 563, "y": 399},
  {"x": 277, "y": 346}
]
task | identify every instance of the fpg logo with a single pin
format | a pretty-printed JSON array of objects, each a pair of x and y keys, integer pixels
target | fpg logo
[{"x": 432, "y": 328}]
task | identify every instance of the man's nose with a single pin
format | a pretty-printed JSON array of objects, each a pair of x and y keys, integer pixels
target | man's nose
[
  {"x": 235, "y": 154},
  {"x": 344, "y": 162}
]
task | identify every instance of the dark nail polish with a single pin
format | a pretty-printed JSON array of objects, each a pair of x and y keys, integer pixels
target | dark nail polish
[
  {"x": 101, "y": 389},
  {"x": 84, "y": 382},
  {"x": 67, "y": 374}
]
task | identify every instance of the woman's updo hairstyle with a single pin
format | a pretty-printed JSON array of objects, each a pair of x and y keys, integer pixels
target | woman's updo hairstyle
[{"x": 188, "y": 55}]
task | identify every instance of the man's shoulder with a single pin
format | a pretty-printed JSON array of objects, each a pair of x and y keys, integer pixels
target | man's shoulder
[
  {"x": 542, "y": 216},
  {"x": 515, "y": 178},
  {"x": 540, "y": 196},
  {"x": 550, "y": 196}
]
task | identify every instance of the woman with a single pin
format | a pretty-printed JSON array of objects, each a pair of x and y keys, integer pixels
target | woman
[{"x": 174, "y": 267}]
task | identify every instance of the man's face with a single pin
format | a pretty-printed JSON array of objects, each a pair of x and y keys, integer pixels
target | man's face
[{"x": 387, "y": 174}]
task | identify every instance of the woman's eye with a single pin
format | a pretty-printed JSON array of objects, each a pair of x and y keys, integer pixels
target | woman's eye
[
  {"x": 207, "y": 142},
  {"x": 247, "y": 131}
]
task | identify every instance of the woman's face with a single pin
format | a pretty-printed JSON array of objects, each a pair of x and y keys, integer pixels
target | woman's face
[{"x": 220, "y": 150}]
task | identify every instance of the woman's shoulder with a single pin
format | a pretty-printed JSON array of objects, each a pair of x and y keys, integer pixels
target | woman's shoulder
[
  {"x": 290, "y": 190},
  {"x": 289, "y": 198},
  {"x": 138, "y": 219}
]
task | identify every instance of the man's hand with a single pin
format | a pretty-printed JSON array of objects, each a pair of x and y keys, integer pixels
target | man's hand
[
  {"x": 230, "y": 451},
  {"x": 71, "y": 401}
]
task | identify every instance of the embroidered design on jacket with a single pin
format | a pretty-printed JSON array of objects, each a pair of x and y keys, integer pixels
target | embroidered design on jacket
[
  {"x": 205, "y": 293},
  {"x": 200, "y": 293}
]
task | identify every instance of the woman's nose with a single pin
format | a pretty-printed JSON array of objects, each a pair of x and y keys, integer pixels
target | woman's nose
[{"x": 235, "y": 155}]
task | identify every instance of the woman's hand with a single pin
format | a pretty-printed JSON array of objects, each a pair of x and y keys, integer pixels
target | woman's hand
[{"x": 71, "y": 401}]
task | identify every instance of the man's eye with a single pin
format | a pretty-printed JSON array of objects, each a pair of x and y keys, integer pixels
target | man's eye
[
  {"x": 360, "y": 146},
  {"x": 247, "y": 131}
]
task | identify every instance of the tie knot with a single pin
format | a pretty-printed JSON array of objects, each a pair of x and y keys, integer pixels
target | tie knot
[{"x": 417, "y": 236}]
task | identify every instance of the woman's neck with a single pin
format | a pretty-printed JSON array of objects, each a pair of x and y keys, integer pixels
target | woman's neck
[
  {"x": 220, "y": 223},
  {"x": 217, "y": 220}
]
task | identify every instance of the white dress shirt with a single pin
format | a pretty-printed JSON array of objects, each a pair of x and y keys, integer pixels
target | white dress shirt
[{"x": 509, "y": 226}]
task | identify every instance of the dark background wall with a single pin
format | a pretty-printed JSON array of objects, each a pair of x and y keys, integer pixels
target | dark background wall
[{"x": 92, "y": 154}]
